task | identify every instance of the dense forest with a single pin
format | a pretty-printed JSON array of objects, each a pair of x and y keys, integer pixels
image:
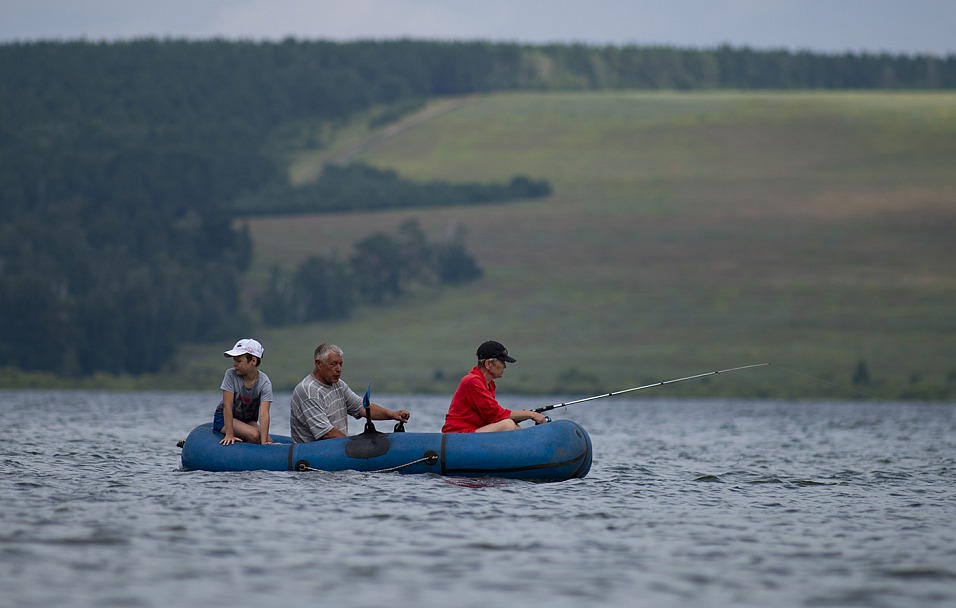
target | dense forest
[{"x": 122, "y": 166}]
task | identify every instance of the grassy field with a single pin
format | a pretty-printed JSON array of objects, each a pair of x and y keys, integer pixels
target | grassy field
[{"x": 687, "y": 232}]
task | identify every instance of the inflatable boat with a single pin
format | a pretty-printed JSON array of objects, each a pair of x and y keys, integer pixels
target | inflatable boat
[{"x": 555, "y": 451}]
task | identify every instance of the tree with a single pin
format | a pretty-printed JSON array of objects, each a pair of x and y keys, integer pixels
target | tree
[
  {"x": 323, "y": 290},
  {"x": 861, "y": 375},
  {"x": 378, "y": 267},
  {"x": 454, "y": 264},
  {"x": 417, "y": 254}
]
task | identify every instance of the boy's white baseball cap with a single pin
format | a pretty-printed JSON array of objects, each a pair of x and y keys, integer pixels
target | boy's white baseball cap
[{"x": 246, "y": 346}]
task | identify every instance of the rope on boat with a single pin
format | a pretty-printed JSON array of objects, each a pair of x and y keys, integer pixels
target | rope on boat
[{"x": 429, "y": 458}]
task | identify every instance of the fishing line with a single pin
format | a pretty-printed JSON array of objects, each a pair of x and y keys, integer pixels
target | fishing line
[
  {"x": 834, "y": 384},
  {"x": 646, "y": 386}
]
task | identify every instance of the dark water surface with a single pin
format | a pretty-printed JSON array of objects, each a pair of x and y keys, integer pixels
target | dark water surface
[{"x": 688, "y": 503}]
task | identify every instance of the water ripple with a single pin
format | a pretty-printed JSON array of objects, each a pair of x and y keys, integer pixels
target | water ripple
[{"x": 688, "y": 503}]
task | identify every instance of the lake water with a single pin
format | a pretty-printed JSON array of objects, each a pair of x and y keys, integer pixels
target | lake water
[{"x": 688, "y": 503}]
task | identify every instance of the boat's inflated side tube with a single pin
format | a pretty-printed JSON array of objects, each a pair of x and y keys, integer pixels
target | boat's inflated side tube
[
  {"x": 202, "y": 450},
  {"x": 549, "y": 452}
]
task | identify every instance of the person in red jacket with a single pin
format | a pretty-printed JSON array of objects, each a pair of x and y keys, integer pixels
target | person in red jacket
[{"x": 474, "y": 408}]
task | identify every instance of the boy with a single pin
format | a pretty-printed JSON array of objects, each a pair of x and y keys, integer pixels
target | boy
[{"x": 246, "y": 397}]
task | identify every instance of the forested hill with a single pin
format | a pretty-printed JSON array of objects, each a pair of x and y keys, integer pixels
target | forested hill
[{"x": 123, "y": 164}]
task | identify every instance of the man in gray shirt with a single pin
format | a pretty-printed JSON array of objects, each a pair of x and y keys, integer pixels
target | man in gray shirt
[{"x": 322, "y": 402}]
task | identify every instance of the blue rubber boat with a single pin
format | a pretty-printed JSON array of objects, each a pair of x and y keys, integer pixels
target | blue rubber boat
[{"x": 556, "y": 451}]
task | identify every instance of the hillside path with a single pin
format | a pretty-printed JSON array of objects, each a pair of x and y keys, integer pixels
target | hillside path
[{"x": 431, "y": 112}]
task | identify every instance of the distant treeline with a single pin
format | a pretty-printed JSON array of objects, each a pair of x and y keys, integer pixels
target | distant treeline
[
  {"x": 123, "y": 164},
  {"x": 360, "y": 187}
]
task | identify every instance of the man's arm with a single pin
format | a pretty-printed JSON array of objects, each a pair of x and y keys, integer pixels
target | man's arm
[
  {"x": 332, "y": 434},
  {"x": 380, "y": 413}
]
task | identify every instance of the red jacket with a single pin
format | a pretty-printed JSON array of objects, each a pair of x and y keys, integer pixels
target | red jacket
[{"x": 473, "y": 405}]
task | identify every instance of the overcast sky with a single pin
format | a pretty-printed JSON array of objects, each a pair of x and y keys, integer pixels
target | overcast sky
[{"x": 830, "y": 26}]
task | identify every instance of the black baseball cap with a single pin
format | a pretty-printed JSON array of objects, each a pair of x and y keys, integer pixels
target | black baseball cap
[{"x": 494, "y": 350}]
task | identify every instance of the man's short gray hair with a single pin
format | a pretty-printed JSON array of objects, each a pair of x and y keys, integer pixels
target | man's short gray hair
[{"x": 322, "y": 351}]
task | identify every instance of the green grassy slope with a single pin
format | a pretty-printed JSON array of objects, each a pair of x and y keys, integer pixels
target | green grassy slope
[{"x": 687, "y": 233}]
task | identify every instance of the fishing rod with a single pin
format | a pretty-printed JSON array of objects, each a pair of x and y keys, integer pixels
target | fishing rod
[{"x": 548, "y": 408}]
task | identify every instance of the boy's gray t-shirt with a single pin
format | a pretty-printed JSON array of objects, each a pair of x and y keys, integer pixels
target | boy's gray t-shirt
[{"x": 246, "y": 401}]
